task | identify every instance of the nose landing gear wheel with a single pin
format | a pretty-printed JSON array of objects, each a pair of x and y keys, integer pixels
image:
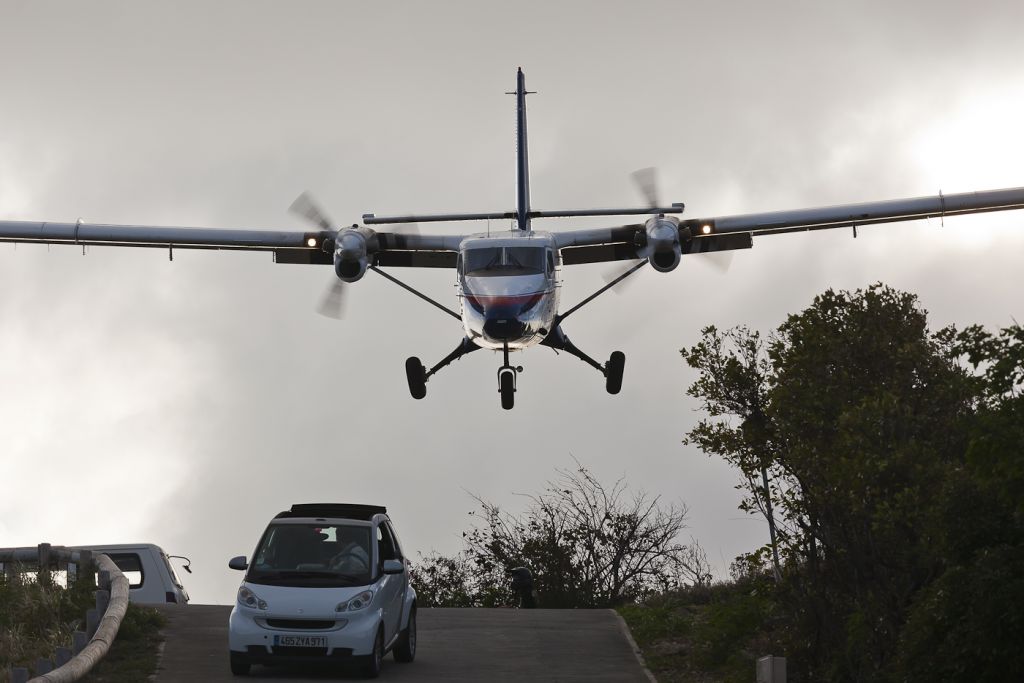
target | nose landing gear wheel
[
  {"x": 613, "y": 372},
  {"x": 417, "y": 376},
  {"x": 507, "y": 387}
]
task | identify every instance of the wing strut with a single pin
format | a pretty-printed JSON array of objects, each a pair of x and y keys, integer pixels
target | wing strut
[
  {"x": 419, "y": 294},
  {"x": 563, "y": 316}
]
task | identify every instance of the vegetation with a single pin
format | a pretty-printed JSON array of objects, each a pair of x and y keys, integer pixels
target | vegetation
[
  {"x": 888, "y": 459},
  {"x": 706, "y": 633},
  {"x": 38, "y": 615},
  {"x": 586, "y": 544},
  {"x": 133, "y": 656}
]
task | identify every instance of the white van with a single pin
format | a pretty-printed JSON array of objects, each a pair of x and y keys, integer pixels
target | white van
[{"x": 151, "y": 578}]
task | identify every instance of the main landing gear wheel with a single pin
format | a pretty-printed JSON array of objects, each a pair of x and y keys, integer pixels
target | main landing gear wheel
[
  {"x": 507, "y": 387},
  {"x": 417, "y": 376},
  {"x": 613, "y": 372}
]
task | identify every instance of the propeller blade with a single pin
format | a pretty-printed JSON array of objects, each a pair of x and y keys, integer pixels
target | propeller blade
[
  {"x": 332, "y": 302},
  {"x": 646, "y": 180},
  {"x": 305, "y": 207},
  {"x": 620, "y": 287}
]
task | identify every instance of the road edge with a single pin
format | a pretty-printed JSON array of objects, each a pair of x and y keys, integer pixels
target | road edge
[{"x": 637, "y": 652}]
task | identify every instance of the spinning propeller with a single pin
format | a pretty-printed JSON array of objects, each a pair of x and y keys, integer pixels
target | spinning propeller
[
  {"x": 332, "y": 301},
  {"x": 646, "y": 180}
]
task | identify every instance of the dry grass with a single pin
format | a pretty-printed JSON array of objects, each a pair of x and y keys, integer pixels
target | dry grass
[{"x": 37, "y": 616}]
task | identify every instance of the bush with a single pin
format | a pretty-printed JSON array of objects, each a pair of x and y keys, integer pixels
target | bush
[{"x": 37, "y": 616}]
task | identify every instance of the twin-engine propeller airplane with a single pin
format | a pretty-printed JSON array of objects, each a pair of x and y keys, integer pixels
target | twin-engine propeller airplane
[{"x": 508, "y": 283}]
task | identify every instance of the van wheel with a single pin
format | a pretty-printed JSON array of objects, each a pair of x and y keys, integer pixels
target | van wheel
[
  {"x": 375, "y": 661},
  {"x": 239, "y": 664},
  {"x": 405, "y": 648}
]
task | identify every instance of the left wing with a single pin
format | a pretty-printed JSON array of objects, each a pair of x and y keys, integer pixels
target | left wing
[{"x": 737, "y": 232}]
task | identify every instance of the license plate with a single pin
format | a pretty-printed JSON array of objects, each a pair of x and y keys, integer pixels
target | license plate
[{"x": 300, "y": 641}]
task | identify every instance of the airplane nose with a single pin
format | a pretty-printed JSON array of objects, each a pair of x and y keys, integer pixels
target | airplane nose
[{"x": 504, "y": 328}]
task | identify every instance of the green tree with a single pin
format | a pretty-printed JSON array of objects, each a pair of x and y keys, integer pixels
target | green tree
[
  {"x": 735, "y": 376},
  {"x": 967, "y": 625},
  {"x": 889, "y": 454}
]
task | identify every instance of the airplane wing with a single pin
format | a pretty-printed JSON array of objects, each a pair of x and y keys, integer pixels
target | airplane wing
[
  {"x": 721, "y": 233},
  {"x": 317, "y": 247}
]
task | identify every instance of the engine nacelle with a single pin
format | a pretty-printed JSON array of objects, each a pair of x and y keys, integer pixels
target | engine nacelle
[
  {"x": 663, "y": 249},
  {"x": 352, "y": 253}
]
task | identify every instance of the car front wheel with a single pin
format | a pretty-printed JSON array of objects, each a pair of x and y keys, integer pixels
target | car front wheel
[
  {"x": 374, "y": 662},
  {"x": 405, "y": 648},
  {"x": 239, "y": 664}
]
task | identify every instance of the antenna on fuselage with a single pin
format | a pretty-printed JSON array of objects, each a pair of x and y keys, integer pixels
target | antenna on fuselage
[{"x": 522, "y": 162}]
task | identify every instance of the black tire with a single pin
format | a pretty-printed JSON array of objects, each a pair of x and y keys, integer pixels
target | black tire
[
  {"x": 613, "y": 372},
  {"x": 239, "y": 664},
  {"x": 405, "y": 648},
  {"x": 417, "y": 376},
  {"x": 507, "y": 388},
  {"x": 375, "y": 661}
]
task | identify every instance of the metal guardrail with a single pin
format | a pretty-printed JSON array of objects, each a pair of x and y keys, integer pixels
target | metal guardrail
[{"x": 102, "y": 623}]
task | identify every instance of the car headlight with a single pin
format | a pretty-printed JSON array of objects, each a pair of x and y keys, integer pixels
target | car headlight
[
  {"x": 357, "y": 603},
  {"x": 249, "y": 599}
]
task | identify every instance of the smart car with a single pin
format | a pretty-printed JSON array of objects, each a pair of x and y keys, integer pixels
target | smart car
[{"x": 327, "y": 583}]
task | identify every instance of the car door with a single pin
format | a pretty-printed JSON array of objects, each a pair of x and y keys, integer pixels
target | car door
[{"x": 392, "y": 585}]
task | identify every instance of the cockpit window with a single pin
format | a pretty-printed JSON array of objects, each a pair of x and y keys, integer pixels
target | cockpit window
[{"x": 504, "y": 261}]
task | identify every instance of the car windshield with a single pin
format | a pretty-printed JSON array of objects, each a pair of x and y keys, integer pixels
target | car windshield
[
  {"x": 312, "y": 555},
  {"x": 483, "y": 261}
]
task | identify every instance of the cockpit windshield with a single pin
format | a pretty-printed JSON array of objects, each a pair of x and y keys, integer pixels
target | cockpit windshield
[
  {"x": 312, "y": 555},
  {"x": 483, "y": 261}
]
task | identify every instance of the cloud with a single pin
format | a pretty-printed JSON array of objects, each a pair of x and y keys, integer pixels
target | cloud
[{"x": 215, "y": 395}]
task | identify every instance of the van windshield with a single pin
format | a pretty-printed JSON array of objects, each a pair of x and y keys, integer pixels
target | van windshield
[
  {"x": 318, "y": 554},
  {"x": 483, "y": 261}
]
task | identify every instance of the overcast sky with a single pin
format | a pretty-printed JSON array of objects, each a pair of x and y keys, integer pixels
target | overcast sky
[{"x": 184, "y": 403}]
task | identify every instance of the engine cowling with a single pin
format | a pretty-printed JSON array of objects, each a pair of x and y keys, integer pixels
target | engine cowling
[
  {"x": 663, "y": 249},
  {"x": 352, "y": 253}
]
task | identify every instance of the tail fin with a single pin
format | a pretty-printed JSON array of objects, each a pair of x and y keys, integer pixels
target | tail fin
[{"x": 522, "y": 162}]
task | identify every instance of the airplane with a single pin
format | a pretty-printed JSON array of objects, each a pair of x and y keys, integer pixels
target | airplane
[{"x": 508, "y": 283}]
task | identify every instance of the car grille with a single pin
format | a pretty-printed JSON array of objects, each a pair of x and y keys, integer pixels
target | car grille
[
  {"x": 259, "y": 653},
  {"x": 300, "y": 651},
  {"x": 302, "y": 624}
]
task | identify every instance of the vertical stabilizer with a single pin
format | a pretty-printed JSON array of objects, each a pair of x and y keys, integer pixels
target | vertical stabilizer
[{"x": 522, "y": 162}]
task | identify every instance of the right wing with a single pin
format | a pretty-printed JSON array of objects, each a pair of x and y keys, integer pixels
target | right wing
[{"x": 390, "y": 249}]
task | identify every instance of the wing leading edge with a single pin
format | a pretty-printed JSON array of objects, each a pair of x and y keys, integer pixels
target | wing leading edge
[
  {"x": 697, "y": 235},
  {"x": 391, "y": 249},
  {"x": 721, "y": 233}
]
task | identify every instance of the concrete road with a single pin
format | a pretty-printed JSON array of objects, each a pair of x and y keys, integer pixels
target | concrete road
[{"x": 454, "y": 645}]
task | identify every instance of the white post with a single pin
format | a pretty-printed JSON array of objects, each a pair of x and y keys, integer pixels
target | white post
[{"x": 771, "y": 669}]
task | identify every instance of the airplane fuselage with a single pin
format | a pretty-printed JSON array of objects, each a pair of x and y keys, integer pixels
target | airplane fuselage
[{"x": 508, "y": 288}]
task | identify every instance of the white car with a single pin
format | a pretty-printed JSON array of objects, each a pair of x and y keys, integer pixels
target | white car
[{"x": 327, "y": 583}]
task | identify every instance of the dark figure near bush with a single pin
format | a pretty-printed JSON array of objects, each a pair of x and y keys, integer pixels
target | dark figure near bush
[{"x": 522, "y": 585}]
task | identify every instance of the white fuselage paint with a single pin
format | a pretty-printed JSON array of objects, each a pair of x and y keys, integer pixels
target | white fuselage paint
[{"x": 501, "y": 302}]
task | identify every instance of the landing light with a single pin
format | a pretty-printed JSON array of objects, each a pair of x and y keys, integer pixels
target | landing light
[
  {"x": 311, "y": 242},
  {"x": 706, "y": 229}
]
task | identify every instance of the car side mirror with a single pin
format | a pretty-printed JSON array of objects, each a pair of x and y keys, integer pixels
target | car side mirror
[
  {"x": 393, "y": 566},
  {"x": 238, "y": 563}
]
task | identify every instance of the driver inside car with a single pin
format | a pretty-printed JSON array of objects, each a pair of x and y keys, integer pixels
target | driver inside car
[{"x": 353, "y": 557}]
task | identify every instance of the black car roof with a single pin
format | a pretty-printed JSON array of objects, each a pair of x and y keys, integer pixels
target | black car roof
[{"x": 337, "y": 510}]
